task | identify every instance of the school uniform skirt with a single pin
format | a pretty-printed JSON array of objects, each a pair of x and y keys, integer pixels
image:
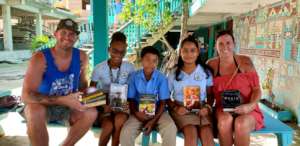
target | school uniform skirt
[{"x": 190, "y": 119}]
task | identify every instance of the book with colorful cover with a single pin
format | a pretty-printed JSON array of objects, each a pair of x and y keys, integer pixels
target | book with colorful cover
[
  {"x": 118, "y": 98},
  {"x": 93, "y": 99},
  {"x": 191, "y": 95},
  {"x": 147, "y": 104}
]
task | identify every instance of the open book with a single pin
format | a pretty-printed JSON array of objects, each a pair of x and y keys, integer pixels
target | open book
[
  {"x": 118, "y": 98},
  {"x": 191, "y": 95},
  {"x": 147, "y": 104},
  {"x": 93, "y": 99}
]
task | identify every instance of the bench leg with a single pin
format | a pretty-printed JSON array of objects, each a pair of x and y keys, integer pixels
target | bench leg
[
  {"x": 284, "y": 139},
  {"x": 154, "y": 137},
  {"x": 145, "y": 140}
]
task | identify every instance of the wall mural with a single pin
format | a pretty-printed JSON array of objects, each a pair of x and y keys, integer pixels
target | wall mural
[{"x": 271, "y": 36}]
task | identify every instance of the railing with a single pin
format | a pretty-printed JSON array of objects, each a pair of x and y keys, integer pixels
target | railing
[
  {"x": 135, "y": 32},
  {"x": 48, "y": 2}
]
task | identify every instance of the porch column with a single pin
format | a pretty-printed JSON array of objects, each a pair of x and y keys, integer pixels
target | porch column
[
  {"x": 100, "y": 30},
  {"x": 39, "y": 24},
  {"x": 211, "y": 42},
  {"x": 7, "y": 28}
]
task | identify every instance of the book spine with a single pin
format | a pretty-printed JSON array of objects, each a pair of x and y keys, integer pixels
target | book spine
[
  {"x": 93, "y": 104},
  {"x": 95, "y": 99},
  {"x": 92, "y": 96}
]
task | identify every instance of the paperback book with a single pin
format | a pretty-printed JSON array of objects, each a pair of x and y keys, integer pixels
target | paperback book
[
  {"x": 118, "y": 98},
  {"x": 191, "y": 95},
  {"x": 147, "y": 104}
]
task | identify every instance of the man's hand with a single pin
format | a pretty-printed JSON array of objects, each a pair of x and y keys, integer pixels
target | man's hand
[
  {"x": 244, "y": 108},
  {"x": 72, "y": 101},
  {"x": 149, "y": 126}
]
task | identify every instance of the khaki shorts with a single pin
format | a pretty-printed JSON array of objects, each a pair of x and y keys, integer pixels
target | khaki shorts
[{"x": 55, "y": 114}]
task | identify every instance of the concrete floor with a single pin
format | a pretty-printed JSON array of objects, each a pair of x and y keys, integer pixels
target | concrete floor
[
  {"x": 15, "y": 134},
  {"x": 11, "y": 75}
]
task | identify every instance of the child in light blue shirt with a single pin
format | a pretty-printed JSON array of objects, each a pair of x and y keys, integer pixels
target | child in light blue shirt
[
  {"x": 148, "y": 82},
  {"x": 114, "y": 70},
  {"x": 190, "y": 84}
]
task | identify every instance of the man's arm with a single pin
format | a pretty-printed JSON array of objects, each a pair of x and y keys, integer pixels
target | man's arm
[{"x": 32, "y": 80}]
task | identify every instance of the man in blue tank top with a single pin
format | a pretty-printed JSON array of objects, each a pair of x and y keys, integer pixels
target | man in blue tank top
[{"x": 52, "y": 85}]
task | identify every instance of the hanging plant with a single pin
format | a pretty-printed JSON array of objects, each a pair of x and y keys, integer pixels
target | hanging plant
[{"x": 40, "y": 42}]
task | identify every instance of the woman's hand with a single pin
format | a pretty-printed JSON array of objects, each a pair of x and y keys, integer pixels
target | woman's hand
[
  {"x": 204, "y": 112},
  {"x": 245, "y": 108}
]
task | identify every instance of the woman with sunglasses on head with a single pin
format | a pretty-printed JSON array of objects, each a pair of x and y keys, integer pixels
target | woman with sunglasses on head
[
  {"x": 236, "y": 76},
  {"x": 112, "y": 71}
]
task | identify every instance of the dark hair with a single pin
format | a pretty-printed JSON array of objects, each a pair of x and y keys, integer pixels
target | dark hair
[
  {"x": 118, "y": 37},
  {"x": 225, "y": 32},
  {"x": 151, "y": 50},
  {"x": 180, "y": 62}
]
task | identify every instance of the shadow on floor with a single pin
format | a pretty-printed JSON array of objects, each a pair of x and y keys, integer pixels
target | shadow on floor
[{"x": 14, "y": 141}]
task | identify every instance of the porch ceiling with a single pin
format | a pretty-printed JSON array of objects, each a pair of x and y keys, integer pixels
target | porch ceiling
[
  {"x": 215, "y": 11},
  {"x": 15, "y": 12}
]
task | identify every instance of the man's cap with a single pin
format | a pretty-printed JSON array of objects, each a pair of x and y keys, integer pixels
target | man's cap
[{"x": 68, "y": 24}]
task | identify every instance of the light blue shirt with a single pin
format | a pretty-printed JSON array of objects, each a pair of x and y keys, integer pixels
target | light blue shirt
[
  {"x": 197, "y": 78},
  {"x": 157, "y": 85},
  {"x": 101, "y": 74}
]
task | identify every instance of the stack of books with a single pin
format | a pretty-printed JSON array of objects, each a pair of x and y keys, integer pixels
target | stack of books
[{"x": 94, "y": 99}]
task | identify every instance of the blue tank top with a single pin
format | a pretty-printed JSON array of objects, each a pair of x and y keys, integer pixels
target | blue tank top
[{"x": 57, "y": 83}]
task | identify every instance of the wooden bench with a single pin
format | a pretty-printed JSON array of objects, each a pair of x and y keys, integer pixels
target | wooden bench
[{"x": 283, "y": 132}]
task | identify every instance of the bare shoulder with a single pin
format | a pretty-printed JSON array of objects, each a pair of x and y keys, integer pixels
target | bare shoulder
[
  {"x": 37, "y": 60},
  {"x": 36, "y": 68},
  {"x": 213, "y": 62},
  {"x": 245, "y": 63}
]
